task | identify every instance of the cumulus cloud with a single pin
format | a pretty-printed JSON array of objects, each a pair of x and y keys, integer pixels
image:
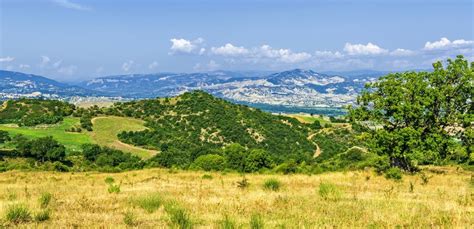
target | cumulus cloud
[
  {"x": 361, "y": 49},
  {"x": 328, "y": 55},
  {"x": 126, "y": 66},
  {"x": 24, "y": 66},
  {"x": 7, "y": 59},
  {"x": 153, "y": 65},
  {"x": 445, "y": 43},
  {"x": 70, "y": 5},
  {"x": 186, "y": 46},
  {"x": 230, "y": 50},
  {"x": 402, "y": 52},
  {"x": 283, "y": 55}
]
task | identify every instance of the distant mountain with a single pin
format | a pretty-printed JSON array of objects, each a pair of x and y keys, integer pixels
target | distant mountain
[
  {"x": 293, "y": 88},
  {"x": 16, "y": 84},
  {"x": 298, "y": 87}
]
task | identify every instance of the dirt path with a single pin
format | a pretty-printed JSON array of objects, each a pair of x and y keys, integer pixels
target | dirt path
[{"x": 317, "y": 152}]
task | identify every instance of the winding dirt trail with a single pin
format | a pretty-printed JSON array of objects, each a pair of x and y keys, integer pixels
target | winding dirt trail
[{"x": 317, "y": 152}]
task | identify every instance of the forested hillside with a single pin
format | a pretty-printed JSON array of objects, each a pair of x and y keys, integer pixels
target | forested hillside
[
  {"x": 197, "y": 123},
  {"x": 30, "y": 112}
]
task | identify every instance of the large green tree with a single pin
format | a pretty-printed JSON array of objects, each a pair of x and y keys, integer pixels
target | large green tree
[{"x": 420, "y": 117}]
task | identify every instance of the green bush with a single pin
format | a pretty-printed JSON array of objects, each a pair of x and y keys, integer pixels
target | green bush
[
  {"x": 45, "y": 199},
  {"x": 329, "y": 191},
  {"x": 150, "y": 203},
  {"x": 393, "y": 173},
  {"x": 42, "y": 215},
  {"x": 109, "y": 180},
  {"x": 272, "y": 184},
  {"x": 227, "y": 223},
  {"x": 18, "y": 213},
  {"x": 256, "y": 221},
  {"x": 129, "y": 219},
  {"x": 207, "y": 176},
  {"x": 210, "y": 162},
  {"x": 114, "y": 188},
  {"x": 179, "y": 217}
]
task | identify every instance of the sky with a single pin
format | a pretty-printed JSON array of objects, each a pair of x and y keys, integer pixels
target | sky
[{"x": 74, "y": 40}]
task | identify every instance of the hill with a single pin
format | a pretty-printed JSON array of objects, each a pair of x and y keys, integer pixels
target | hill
[
  {"x": 197, "y": 123},
  {"x": 17, "y": 84}
]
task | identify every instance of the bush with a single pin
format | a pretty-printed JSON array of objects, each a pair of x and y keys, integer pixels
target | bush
[
  {"x": 329, "y": 191},
  {"x": 243, "y": 184},
  {"x": 256, "y": 221},
  {"x": 109, "y": 180},
  {"x": 129, "y": 219},
  {"x": 45, "y": 199},
  {"x": 178, "y": 216},
  {"x": 150, "y": 203},
  {"x": 393, "y": 173},
  {"x": 4, "y": 136},
  {"x": 256, "y": 160},
  {"x": 210, "y": 162},
  {"x": 42, "y": 215},
  {"x": 227, "y": 223},
  {"x": 114, "y": 188},
  {"x": 18, "y": 214},
  {"x": 207, "y": 177},
  {"x": 272, "y": 184}
]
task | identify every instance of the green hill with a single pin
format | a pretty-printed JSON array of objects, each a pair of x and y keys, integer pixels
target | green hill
[{"x": 197, "y": 123}]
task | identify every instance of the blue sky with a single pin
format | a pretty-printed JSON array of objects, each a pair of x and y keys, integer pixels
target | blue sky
[{"x": 81, "y": 39}]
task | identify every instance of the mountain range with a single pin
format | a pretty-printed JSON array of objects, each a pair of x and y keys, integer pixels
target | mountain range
[{"x": 297, "y": 87}]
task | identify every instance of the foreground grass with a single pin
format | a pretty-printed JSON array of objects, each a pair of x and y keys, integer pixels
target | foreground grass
[
  {"x": 107, "y": 128},
  {"x": 72, "y": 141},
  {"x": 157, "y": 198}
]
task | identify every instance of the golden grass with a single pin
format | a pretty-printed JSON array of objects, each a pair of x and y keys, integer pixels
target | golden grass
[
  {"x": 107, "y": 128},
  {"x": 82, "y": 199}
]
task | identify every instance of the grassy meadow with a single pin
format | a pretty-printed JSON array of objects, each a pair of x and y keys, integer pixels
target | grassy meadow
[
  {"x": 159, "y": 198},
  {"x": 105, "y": 130},
  {"x": 72, "y": 141}
]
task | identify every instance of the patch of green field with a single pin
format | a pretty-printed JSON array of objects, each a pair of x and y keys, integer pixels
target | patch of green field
[
  {"x": 308, "y": 119},
  {"x": 72, "y": 141},
  {"x": 106, "y": 130}
]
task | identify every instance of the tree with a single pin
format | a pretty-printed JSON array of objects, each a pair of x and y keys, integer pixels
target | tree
[
  {"x": 418, "y": 117},
  {"x": 210, "y": 162},
  {"x": 235, "y": 154},
  {"x": 46, "y": 148},
  {"x": 316, "y": 125},
  {"x": 257, "y": 159},
  {"x": 4, "y": 136}
]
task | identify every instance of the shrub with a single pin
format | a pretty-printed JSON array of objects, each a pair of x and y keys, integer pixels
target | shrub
[
  {"x": 210, "y": 162},
  {"x": 227, "y": 223},
  {"x": 150, "y": 203},
  {"x": 272, "y": 184},
  {"x": 207, "y": 176},
  {"x": 244, "y": 183},
  {"x": 257, "y": 159},
  {"x": 42, "y": 215},
  {"x": 256, "y": 221},
  {"x": 18, "y": 214},
  {"x": 424, "y": 178},
  {"x": 178, "y": 216},
  {"x": 114, "y": 188},
  {"x": 109, "y": 180},
  {"x": 393, "y": 173},
  {"x": 329, "y": 191},
  {"x": 129, "y": 219},
  {"x": 45, "y": 199}
]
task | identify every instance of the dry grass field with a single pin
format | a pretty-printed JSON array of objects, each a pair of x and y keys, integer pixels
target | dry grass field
[{"x": 159, "y": 198}]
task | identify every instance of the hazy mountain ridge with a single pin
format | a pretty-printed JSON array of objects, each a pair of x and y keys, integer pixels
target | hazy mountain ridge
[{"x": 297, "y": 87}]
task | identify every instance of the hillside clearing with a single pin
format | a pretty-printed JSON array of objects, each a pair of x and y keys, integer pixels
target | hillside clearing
[
  {"x": 355, "y": 199},
  {"x": 106, "y": 130},
  {"x": 72, "y": 141}
]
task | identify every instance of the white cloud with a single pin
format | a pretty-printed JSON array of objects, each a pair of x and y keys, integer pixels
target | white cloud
[
  {"x": 230, "y": 50},
  {"x": 71, "y": 5},
  {"x": 283, "y": 55},
  {"x": 361, "y": 49},
  {"x": 57, "y": 64},
  {"x": 402, "y": 52},
  {"x": 328, "y": 54},
  {"x": 24, "y": 66},
  {"x": 186, "y": 46},
  {"x": 126, "y": 66},
  {"x": 7, "y": 59},
  {"x": 67, "y": 70},
  {"x": 445, "y": 43},
  {"x": 153, "y": 65},
  {"x": 44, "y": 61}
]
